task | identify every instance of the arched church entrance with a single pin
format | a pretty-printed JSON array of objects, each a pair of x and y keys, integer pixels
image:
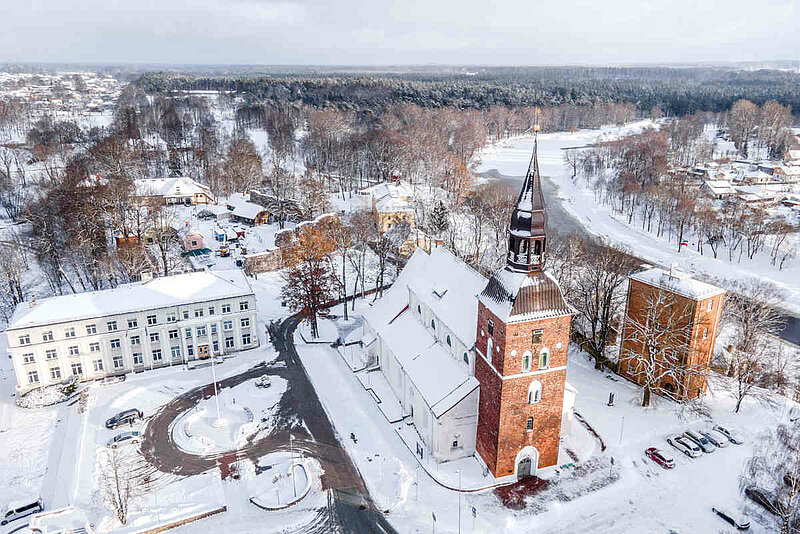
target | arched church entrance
[{"x": 527, "y": 462}]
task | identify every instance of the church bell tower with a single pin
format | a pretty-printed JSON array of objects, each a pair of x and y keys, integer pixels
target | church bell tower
[{"x": 522, "y": 342}]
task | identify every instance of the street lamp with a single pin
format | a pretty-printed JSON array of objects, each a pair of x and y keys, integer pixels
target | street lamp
[
  {"x": 216, "y": 391},
  {"x": 291, "y": 464},
  {"x": 459, "y": 500}
]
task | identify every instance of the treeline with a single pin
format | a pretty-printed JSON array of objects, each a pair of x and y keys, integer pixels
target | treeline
[{"x": 675, "y": 91}]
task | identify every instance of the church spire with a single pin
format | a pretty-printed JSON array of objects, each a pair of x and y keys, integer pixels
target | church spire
[{"x": 526, "y": 243}]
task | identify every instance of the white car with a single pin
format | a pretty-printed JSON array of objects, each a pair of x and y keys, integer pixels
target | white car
[
  {"x": 717, "y": 438},
  {"x": 700, "y": 440},
  {"x": 125, "y": 438},
  {"x": 686, "y": 446},
  {"x": 732, "y": 436}
]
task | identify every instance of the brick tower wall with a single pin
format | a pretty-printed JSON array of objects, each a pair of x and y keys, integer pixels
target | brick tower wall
[
  {"x": 503, "y": 409},
  {"x": 699, "y": 350}
]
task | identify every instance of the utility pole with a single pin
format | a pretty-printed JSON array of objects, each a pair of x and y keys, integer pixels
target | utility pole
[{"x": 216, "y": 391}]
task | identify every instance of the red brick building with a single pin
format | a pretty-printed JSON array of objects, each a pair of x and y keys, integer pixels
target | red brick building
[
  {"x": 522, "y": 342},
  {"x": 694, "y": 308}
]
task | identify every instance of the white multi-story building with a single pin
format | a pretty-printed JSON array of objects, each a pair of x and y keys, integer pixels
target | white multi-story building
[{"x": 131, "y": 328}]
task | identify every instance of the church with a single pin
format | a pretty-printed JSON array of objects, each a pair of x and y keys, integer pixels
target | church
[{"x": 479, "y": 366}]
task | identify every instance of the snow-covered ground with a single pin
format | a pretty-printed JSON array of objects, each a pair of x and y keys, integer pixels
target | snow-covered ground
[
  {"x": 645, "y": 498},
  {"x": 511, "y": 158}
]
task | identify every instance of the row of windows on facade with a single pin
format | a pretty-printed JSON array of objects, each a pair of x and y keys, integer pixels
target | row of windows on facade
[
  {"x": 138, "y": 359},
  {"x": 155, "y": 337},
  {"x": 111, "y": 326},
  {"x": 449, "y": 340}
]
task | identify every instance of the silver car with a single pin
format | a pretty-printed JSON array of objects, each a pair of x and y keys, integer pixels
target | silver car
[
  {"x": 125, "y": 438},
  {"x": 732, "y": 436},
  {"x": 686, "y": 446},
  {"x": 718, "y": 439},
  {"x": 700, "y": 440}
]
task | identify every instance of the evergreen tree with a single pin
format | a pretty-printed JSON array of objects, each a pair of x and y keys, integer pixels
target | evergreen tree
[{"x": 439, "y": 219}]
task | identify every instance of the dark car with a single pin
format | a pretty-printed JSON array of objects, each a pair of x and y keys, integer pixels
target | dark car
[
  {"x": 737, "y": 520},
  {"x": 660, "y": 458},
  {"x": 770, "y": 504},
  {"x": 127, "y": 417}
]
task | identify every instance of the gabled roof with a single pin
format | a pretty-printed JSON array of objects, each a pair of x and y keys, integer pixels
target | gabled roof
[
  {"x": 170, "y": 187},
  {"x": 244, "y": 208},
  {"x": 677, "y": 282}
]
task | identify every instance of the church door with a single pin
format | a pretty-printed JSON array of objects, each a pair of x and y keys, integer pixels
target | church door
[{"x": 524, "y": 468}]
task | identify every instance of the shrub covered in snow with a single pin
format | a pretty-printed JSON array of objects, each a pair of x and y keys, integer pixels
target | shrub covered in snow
[{"x": 47, "y": 395}]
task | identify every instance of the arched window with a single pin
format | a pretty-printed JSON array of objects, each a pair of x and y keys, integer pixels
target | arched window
[
  {"x": 535, "y": 392},
  {"x": 489, "y": 349},
  {"x": 466, "y": 358},
  {"x": 449, "y": 342},
  {"x": 544, "y": 359},
  {"x": 529, "y": 424},
  {"x": 419, "y": 309},
  {"x": 526, "y": 361},
  {"x": 433, "y": 324}
]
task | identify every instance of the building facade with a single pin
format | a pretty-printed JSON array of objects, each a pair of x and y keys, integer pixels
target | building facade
[
  {"x": 134, "y": 327},
  {"x": 695, "y": 308}
]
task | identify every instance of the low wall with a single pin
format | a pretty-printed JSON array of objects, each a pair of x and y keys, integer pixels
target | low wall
[
  {"x": 263, "y": 262},
  {"x": 183, "y": 521}
]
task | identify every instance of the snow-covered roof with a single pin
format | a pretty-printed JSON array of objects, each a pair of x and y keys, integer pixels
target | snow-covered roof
[
  {"x": 69, "y": 520},
  {"x": 393, "y": 205},
  {"x": 677, "y": 282},
  {"x": 162, "y": 292},
  {"x": 399, "y": 189},
  {"x": 448, "y": 287},
  {"x": 518, "y": 296},
  {"x": 170, "y": 187},
  {"x": 244, "y": 208},
  {"x": 720, "y": 187},
  {"x": 793, "y": 154}
]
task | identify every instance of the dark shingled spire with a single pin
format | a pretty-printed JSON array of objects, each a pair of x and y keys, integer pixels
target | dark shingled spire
[{"x": 528, "y": 221}]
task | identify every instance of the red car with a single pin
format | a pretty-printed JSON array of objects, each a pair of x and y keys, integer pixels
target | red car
[{"x": 660, "y": 458}]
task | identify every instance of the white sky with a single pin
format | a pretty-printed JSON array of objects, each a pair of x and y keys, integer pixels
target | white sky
[{"x": 503, "y": 32}]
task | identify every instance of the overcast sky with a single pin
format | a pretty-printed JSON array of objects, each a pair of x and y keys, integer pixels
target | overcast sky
[{"x": 510, "y": 32}]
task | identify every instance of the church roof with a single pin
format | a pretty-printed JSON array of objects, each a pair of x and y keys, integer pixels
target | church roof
[
  {"x": 529, "y": 217},
  {"x": 517, "y": 297}
]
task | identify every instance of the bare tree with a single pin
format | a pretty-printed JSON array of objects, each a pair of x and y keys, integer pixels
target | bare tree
[
  {"x": 742, "y": 119},
  {"x": 755, "y": 371},
  {"x": 162, "y": 223},
  {"x": 121, "y": 482},
  {"x": 774, "y": 470},
  {"x": 572, "y": 160},
  {"x": 751, "y": 307},
  {"x": 655, "y": 346}
]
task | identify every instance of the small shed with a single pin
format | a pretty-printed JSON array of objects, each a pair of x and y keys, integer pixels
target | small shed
[{"x": 193, "y": 241}]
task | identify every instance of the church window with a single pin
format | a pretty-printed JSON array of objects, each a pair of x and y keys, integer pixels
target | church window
[
  {"x": 466, "y": 358},
  {"x": 490, "y": 327},
  {"x": 544, "y": 359},
  {"x": 535, "y": 392},
  {"x": 449, "y": 341},
  {"x": 419, "y": 309},
  {"x": 529, "y": 424},
  {"x": 526, "y": 361},
  {"x": 536, "y": 338},
  {"x": 433, "y": 324}
]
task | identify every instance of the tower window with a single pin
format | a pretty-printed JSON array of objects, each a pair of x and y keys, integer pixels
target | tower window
[
  {"x": 529, "y": 424},
  {"x": 489, "y": 349},
  {"x": 490, "y": 327},
  {"x": 710, "y": 305},
  {"x": 544, "y": 359},
  {"x": 526, "y": 361},
  {"x": 535, "y": 392},
  {"x": 536, "y": 337}
]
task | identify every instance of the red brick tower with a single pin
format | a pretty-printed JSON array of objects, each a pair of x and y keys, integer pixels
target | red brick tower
[{"x": 522, "y": 342}]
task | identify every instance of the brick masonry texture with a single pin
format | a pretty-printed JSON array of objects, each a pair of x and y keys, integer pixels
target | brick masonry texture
[
  {"x": 699, "y": 350},
  {"x": 503, "y": 409}
]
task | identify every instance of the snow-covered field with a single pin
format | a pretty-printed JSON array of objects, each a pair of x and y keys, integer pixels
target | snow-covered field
[{"x": 511, "y": 158}]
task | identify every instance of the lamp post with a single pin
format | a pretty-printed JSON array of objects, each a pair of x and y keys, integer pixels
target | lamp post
[
  {"x": 216, "y": 391},
  {"x": 291, "y": 464},
  {"x": 459, "y": 500}
]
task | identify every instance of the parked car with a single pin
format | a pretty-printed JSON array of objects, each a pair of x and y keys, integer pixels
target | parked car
[
  {"x": 21, "y": 508},
  {"x": 732, "y": 436},
  {"x": 660, "y": 458},
  {"x": 686, "y": 446},
  {"x": 769, "y": 503},
  {"x": 125, "y": 438},
  {"x": 717, "y": 438},
  {"x": 700, "y": 440},
  {"x": 733, "y": 518},
  {"x": 126, "y": 417}
]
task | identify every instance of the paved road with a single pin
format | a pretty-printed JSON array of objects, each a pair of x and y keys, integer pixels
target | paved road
[{"x": 350, "y": 508}]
